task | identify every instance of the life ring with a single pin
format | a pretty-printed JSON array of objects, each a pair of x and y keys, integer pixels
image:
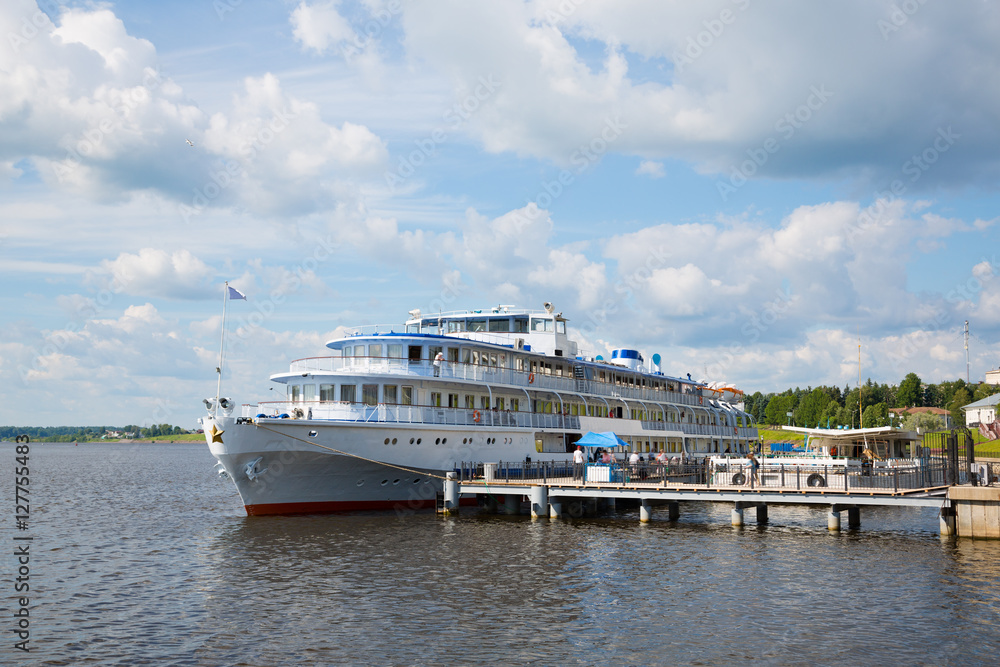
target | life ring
[
  {"x": 816, "y": 479},
  {"x": 739, "y": 479},
  {"x": 476, "y": 416},
  {"x": 531, "y": 378}
]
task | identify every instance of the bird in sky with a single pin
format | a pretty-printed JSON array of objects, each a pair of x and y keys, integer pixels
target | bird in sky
[{"x": 189, "y": 142}]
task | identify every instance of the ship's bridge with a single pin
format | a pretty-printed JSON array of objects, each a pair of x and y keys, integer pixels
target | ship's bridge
[{"x": 541, "y": 331}]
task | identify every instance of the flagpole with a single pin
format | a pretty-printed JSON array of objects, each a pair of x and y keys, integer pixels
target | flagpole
[{"x": 222, "y": 346}]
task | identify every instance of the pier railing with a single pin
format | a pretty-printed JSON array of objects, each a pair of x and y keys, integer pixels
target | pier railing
[{"x": 921, "y": 474}]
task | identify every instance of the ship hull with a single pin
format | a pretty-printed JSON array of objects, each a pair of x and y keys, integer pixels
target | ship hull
[{"x": 298, "y": 466}]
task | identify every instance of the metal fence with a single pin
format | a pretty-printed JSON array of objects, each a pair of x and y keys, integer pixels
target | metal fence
[{"x": 919, "y": 475}]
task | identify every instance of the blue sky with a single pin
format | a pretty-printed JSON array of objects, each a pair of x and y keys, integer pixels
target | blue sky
[{"x": 742, "y": 187}]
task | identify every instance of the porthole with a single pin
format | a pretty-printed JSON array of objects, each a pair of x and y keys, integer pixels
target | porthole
[
  {"x": 394, "y": 441},
  {"x": 418, "y": 441},
  {"x": 386, "y": 441},
  {"x": 395, "y": 482},
  {"x": 437, "y": 441},
  {"x": 361, "y": 482},
  {"x": 444, "y": 441},
  {"x": 463, "y": 440},
  {"x": 411, "y": 441},
  {"x": 384, "y": 482},
  {"x": 416, "y": 481},
  {"x": 312, "y": 434}
]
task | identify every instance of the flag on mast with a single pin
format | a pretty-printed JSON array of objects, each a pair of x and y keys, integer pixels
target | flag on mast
[{"x": 236, "y": 294}]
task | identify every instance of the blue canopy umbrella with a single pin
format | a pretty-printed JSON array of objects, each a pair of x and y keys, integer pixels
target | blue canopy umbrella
[{"x": 607, "y": 439}]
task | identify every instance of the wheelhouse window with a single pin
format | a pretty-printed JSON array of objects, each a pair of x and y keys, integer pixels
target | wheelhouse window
[
  {"x": 390, "y": 393},
  {"x": 326, "y": 392},
  {"x": 295, "y": 392},
  {"x": 406, "y": 395},
  {"x": 477, "y": 325},
  {"x": 369, "y": 394},
  {"x": 455, "y": 326},
  {"x": 520, "y": 325},
  {"x": 560, "y": 326},
  {"x": 348, "y": 393},
  {"x": 309, "y": 392},
  {"x": 500, "y": 325},
  {"x": 541, "y": 325}
]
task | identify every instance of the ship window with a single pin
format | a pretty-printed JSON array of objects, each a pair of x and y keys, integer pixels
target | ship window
[
  {"x": 432, "y": 352},
  {"x": 477, "y": 325},
  {"x": 414, "y": 352},
  {"x": 515, "y": 404},
  {"x": 346, "y": 352},
  {"x": 452, "y": 400},
  {"x": 521, "y": 325},
  {"x": 359, "y": 350},
  {"x": 456, "y": 325},
  {"x": 436, "y": 399},
  {"x": 375, "y": 350},
  {"x": 347, "y": 393},
  {"x": 484, "y": 402},
  {"x": 493, "y": 360},
  {"x": 500, "y": 325},
  {"x": 390, "y": 393},
  {"x": 470, "y": 401},
  {"x": 309, "y": 392},
  {"x": 326, "y": 392},
  {"x": 475, "y": 357},
  {"x": 453, "y": 354},
  {"x": 406, "y": 395},
  {"x": 395, "y": 351},
  {"x": 295, "y": 392},
  {"x": 500, "y": 403},
  {"x": 560, "y": 327},
  {"x": 541, "y": 325},
  {"x": 466, "y": 355},
  {"x": 412, "y": 328},
  {"x": 519, "y": 364},
  {"x": 369, "y": 394},
  {"x": 430, "y": 326}
]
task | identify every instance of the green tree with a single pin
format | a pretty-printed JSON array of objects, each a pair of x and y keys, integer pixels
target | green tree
[
  {"x": 923, "y": 422},
  {"x": 777, "y": 407},
  {"x": 984, "y": 390},
  {"x": 959, "y": 399},
  {"x": 909, "y": 393},
  {"x": 876, "y": 415},
  {"x": 811, "y": 407}
]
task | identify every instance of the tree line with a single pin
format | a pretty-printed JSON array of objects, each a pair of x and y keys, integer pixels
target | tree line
[
  {"x": 831, "y": 406},
  {"x": 84, "y": 433}
]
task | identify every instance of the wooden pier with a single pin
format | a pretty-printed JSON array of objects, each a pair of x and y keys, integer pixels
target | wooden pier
[{"x": 963, "y": 510}]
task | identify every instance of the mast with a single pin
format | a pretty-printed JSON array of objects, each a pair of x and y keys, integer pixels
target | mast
[
  {"x": 967, "y": 351},
  {"x": 861, "y": 414},
  {"x": 222, "y": 347}
]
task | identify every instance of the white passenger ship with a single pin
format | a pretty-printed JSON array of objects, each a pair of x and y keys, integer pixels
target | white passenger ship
[{"x": 376, "y": 424}]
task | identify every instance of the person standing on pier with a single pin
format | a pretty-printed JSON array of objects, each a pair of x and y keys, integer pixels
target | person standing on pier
[
  {"x": 754, "y": 466},
  {"x": 578, "y": 463}
]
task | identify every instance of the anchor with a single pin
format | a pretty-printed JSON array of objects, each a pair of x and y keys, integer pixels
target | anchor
[{"x": 251, "y": 469}]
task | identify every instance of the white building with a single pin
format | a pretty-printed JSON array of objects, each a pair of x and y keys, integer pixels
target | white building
[{"x": 983, "y": 411}]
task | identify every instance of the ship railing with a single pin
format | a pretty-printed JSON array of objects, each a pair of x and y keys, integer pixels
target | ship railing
[
  {"x": 412, "y": 414},
  {"x": 487, "y": 374},
  {"x": 705, "y": 472}
]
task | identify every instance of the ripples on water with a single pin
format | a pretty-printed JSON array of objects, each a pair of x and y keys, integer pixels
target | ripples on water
[{"x": 142, "y": 556}]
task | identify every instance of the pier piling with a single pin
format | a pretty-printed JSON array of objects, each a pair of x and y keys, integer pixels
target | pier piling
[
  {"x": 450, "y": 494},
  {"x": 673, "y": 510},
  {"x": 539, "y": 501},
  {"x": 644, "y": 512}
]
